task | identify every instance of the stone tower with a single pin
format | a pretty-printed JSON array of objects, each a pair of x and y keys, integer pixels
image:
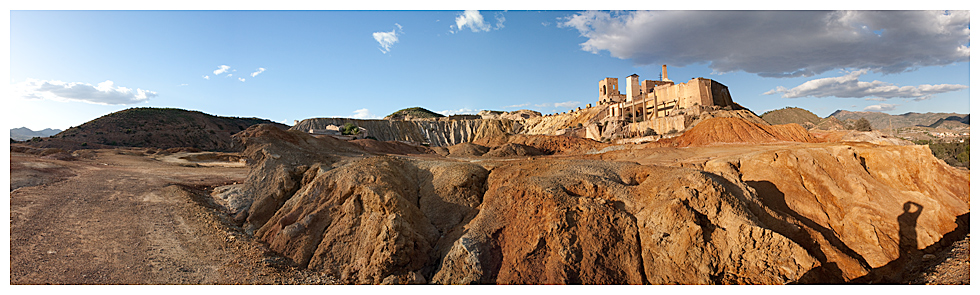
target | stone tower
[{"x": 632, "y": 87}]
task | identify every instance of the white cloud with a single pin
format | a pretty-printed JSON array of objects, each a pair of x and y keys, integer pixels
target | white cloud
[
  {"x": 387, "y": 39},
  {"x": 779, "y": 43},
  {"x": 182, "y": 84},
  {"x": 567, "y": 104},
  {"x": 500, "y": 20},
  {"x": 364, "y": 114},
  {"x": 474, "y": 20},
  {"x": 221, "y": 69},
  {"x": 849, "y": 86},
  {"x": 229, "y": 75},
  {"x": 517, "y": 106},
  {"x": 257, "y": 72},
  {"x": 206, "y": 77},
  {"x": 103, "y": 93},
  {"x": 462, "y": 111},
  {"x": 241, "y": 79},
  {"x": 883, "y": 107}
]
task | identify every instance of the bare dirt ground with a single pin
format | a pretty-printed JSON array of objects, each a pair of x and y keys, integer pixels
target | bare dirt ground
[
  {"x": 950, "y": 266},
  {"x": 123, "y": 218}
]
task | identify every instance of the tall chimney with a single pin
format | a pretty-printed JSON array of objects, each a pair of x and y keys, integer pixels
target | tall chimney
[{"x": 664, "y": 73}]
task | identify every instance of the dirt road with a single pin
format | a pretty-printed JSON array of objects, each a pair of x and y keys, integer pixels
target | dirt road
[{"x": 124, "y": 218}]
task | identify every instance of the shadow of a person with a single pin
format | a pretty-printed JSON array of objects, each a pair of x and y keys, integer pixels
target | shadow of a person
[{"x": 908, "y": 245}]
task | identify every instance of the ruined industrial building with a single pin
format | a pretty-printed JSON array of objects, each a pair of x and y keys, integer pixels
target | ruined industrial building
[{"x": 649, "y": 110}]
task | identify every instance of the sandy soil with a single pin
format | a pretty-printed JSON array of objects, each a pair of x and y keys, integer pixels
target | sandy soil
[{"x": 122, "y": 218}]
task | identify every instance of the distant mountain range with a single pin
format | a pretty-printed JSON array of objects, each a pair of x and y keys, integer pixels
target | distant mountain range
[
  {"x": 24, "y": 133},
  {"x": 841, "y": 119},
  {"x": 885, "y": 121}
]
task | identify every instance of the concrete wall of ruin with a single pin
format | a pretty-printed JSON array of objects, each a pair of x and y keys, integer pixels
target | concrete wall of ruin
[
  {"x": 720, "y": 94},
  {"x": 698, "y": 91},
  {"x": 661, "y": 125}
]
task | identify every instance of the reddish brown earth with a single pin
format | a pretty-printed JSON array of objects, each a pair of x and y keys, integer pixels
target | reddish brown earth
[
  {"x": 790, "y": 211},
  {"x": 737, "y": 130},
  {"x": 744, "y": 214}
]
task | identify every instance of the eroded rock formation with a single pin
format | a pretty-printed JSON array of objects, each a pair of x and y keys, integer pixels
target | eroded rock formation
[
  {"x": 818, "y": 213},
  {"x": 436, "y": 133}
]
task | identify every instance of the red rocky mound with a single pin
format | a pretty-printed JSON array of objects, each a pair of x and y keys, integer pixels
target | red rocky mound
[{"x": 738, "y": 130}]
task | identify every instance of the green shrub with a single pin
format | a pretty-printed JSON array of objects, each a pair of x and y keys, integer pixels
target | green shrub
[{"x": 349, "y": 129}]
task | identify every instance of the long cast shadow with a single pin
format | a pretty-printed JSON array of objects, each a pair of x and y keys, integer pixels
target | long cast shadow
[
  {"x": 827, "y": 272},
  {"x": 909, "y": 262}
]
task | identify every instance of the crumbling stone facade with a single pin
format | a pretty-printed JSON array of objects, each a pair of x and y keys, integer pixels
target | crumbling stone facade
[{"x": 653, "y": 99}]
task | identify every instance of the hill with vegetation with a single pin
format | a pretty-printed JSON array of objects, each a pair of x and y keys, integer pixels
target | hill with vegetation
[
  {"x": 413, "y": 113},
  {"x": 161, "y": 128},
  {"x": 790, "y": 115}
]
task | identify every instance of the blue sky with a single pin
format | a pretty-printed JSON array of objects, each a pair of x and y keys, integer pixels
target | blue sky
[{"x": 292, "y": 65}]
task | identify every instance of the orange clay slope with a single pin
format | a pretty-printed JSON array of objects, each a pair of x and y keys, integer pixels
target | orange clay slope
[{"x": 737, "y": 130}]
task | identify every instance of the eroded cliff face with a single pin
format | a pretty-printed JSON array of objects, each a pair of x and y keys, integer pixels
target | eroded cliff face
[
  {"x": 816, "y": 214},
  {"x": 575, "y": 221},
  {"x": 865, "y": 209},
  {"x": 437, "y": 133}
]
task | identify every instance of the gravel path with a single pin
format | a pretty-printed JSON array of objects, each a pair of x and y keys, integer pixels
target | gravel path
[{"x": 128, "y": 219}]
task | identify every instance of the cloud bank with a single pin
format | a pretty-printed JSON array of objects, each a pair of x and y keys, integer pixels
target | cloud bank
[
  {"x": 387, "y": 39},
  {"x": 104, "y": 93},
  {"x": 779, "y": 43},
  {"x": 849, "y": 86}
]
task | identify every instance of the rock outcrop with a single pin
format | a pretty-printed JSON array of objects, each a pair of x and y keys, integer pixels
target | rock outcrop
[
  {"x": 568, "y": 222},
  {"x": 279, "y": 161},
  {"x": 814, "y": 213},
  {"x": 863, "y": 209}
]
